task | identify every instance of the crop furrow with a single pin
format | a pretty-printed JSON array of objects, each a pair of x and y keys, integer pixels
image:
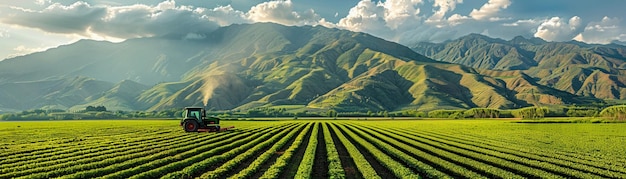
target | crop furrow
[
  {"x": 600, "y": 168},
  {"x": 138, "y": 166},
  {"x": 57, "y": 150},
  {"x": 363, "y": 165},
  {"x": 615, "y": 163},
  {"x": 255, "y": 166},
  {"x": 281, "y": 162},
  {"x": 43, "y": 162},
  {"x": 230, "y": 156},
  {"x": 106, "y": 160},
  {"x": 543, "y": 164},
  {"x": 335, "y": 169},
  {"x": 240, "y": 160},
  {"x": 495, "y": 158},
  {"x": 453, "y": 165},
  {"x": 306, "y": 165}
]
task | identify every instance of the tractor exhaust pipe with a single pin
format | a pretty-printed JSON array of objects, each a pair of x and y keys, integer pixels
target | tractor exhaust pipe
[{"x": 204, "y": 111}]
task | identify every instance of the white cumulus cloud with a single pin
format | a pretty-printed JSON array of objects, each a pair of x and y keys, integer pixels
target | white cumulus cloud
[
  {"x": 383, "y": 19},
  {"x": 224, "y": 15},
  {"x": 131, "y": 21},
  {"x": 603, "y": 32},
  {"x": 444, "y": 6},
  {"x": 490, "y": 9},
  {"x": 557, "y": 29},
  {"x": 282, "y": 12}
]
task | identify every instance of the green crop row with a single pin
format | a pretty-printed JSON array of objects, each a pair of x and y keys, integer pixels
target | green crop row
[
  {"x": 362, "y": 164},
  {"x": 334, "y": 163},
  {"x": 582, "y": 165},
  {"x": 443, "y": 158},
  {"x": 234, "y": 162},
  {"x": 70, "y": 167},
  {"x": 384, "y": 142},
  {"x": 486, "y": 156},
  {"x": 394, "y": 166},
  {"x": 229, "y": 157},
  {"x": 86, "y": 154},
  {"x": 306, "y": 165},
  {"x": 283, "y": 160},
  {"x": 254, "y": 166},
  {"x": 161, "y": 159},
  {"x": 106, "y": 161},
  {"x": 157, "y": 159},
  {"x": 523, "y": 159},
  {"x": 595, "y": 161},
  {"x": 53, "y": 151},
  {"x": 184, "y": 158}
]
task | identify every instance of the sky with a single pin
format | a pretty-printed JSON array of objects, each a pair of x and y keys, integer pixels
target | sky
[{"x": 36, "y": 25}]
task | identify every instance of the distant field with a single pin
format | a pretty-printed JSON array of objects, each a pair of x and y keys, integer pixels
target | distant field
[{"x": 318, "y": 149}]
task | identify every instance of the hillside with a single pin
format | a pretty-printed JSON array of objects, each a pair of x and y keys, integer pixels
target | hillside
[
  {"x": 242, "y": 67},
  {"x": 574, "y": 67}
]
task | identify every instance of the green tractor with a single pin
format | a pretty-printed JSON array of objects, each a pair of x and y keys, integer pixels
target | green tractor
[{"x": 195, "y": 119}]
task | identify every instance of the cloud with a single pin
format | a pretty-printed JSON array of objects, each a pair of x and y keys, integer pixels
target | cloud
[
  {"x": 56, "y": 18},
  {"x": 383, "y": 19},
  {"x": 163, "y": 19},
  {"x": 403, "y": 21},
  {"x": 444, "y": 6},
  {"x": 603, "y": 32},
  {"x": 43, "y": 2},
  {"x": 282, "y": 12},
  {"x": 143, "y": 21},
  {"x": 491, "y": 8},
  {"x": 131, "y": 21},
  {"x": 522, "y": 22},
  {"x": 557, "y": 29},
  {"x": 457, "y": 19},
  {"x": 224, "y": 15}
]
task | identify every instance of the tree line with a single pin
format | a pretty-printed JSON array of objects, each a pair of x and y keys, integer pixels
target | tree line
[{"x": 617, "y": 112}]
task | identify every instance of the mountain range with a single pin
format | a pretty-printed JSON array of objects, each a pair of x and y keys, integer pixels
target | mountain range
[
  {"x": 241, "y": 67},
  {"x": 581, "y": 69}
]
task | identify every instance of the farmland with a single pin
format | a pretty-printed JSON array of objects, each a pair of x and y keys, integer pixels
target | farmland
[{"x": 317, "y": 149}]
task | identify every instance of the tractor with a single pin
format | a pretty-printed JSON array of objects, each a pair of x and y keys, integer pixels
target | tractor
[{"x": 195, "y": 119}]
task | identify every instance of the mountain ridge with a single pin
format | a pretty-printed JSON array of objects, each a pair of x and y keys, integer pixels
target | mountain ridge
[
  {"x": 248, "y": 66},
  {"x": 564, "y": 66}
]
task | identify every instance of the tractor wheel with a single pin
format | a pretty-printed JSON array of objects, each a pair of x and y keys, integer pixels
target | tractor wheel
[{"x": 190, "y": 126}]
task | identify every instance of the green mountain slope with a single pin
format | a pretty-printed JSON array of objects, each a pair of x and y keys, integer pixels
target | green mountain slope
[
  {"x": 54, "y": 94},
  {"x": 122, "y": 96},
  {"x": 147, "y": 61},
  {"x": 573, "y": 67}
]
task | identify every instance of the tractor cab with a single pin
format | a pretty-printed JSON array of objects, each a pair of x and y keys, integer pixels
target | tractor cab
[{"x": 194, "y": 119}]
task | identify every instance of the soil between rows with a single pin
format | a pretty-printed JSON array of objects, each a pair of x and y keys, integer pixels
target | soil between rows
[
  {"x": 348, "y": 165},
  {"x": 494, "y": 147},
  {"x": 427, "y": 162},
  {"x": 320, "y": 163},
  {"x": 557, "y": 172},
  {"x": 381, "y": 170},
  {"x": 244, "y": 164},
  {"x": 513, "y": 170},
  {"x": 267, "y": 164},
  {"x": 290, "y": 170}
]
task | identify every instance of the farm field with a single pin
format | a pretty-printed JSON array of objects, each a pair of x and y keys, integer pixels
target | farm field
[{"x": 312, "y": 149}]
